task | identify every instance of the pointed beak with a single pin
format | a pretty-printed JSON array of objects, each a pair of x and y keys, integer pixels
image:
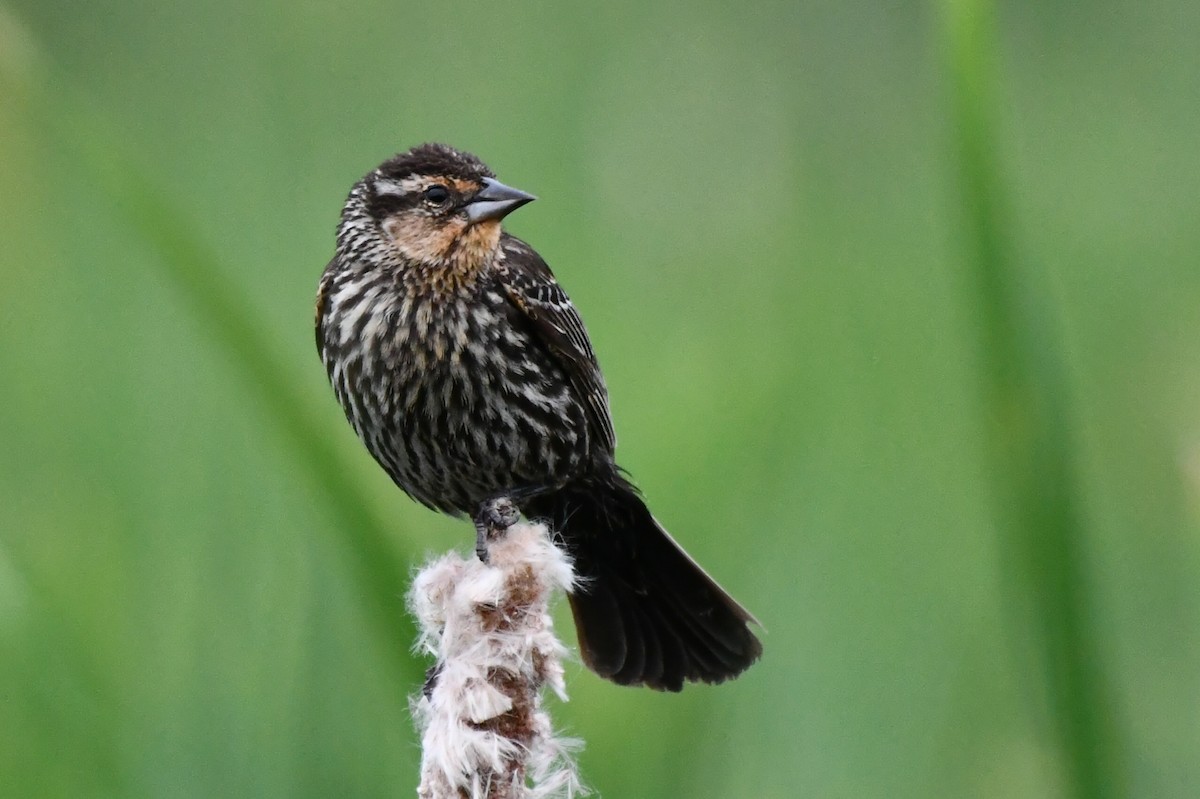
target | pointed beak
[{"x": 495, "y": 201}]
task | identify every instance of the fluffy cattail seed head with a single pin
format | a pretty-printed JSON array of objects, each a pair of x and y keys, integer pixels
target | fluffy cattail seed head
[{"x": 485, "y": 734}]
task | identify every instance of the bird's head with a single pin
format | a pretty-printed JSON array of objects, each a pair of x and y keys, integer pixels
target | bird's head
[{"x": 433, "y": 207}]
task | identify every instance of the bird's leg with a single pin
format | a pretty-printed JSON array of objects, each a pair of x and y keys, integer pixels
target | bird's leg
[
  {"x": 497, "y": 514},
  {"x": 493, "y": 517}
]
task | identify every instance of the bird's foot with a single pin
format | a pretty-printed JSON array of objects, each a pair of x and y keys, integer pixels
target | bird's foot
[{"x": 491, "y": 520}]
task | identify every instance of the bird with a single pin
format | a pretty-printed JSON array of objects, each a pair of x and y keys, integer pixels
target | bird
[{"x": 467, "y": 373}]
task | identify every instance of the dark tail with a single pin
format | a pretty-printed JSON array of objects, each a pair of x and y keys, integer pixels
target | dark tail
[{"x": 645, "y": 612}]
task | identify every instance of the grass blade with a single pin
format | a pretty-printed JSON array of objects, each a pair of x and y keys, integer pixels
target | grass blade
[
  {"x": 89, "y": 141},
  {"x": 1029, "y": 424}
]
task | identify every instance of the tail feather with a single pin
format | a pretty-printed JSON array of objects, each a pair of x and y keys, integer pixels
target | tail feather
[
  {"x": 599, "y": 623},
  {"x": 645, "y": 612},
  {"x": 712, "y": 652},
  {"x": 637, "y": 646}
]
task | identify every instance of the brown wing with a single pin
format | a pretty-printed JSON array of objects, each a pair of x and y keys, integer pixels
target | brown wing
[{"x": 532, "y": 288}]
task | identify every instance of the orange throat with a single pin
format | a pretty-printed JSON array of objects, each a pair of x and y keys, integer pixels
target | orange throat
[{"x": 446, "y": 258}]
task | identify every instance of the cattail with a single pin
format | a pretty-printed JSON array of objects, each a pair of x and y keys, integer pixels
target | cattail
[{"x": 485, "y": 733}]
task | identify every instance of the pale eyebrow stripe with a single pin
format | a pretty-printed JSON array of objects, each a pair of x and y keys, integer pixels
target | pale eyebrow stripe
[
  {"x": 398, "y": 188},
  {"x": 388, "y": 187}
]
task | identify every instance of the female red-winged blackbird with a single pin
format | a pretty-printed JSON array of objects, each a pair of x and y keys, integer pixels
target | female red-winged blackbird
[{"x": 468, "y": 374}]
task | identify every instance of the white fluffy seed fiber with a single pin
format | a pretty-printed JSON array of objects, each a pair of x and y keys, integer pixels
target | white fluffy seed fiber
[{"x": 485, "y": 733}]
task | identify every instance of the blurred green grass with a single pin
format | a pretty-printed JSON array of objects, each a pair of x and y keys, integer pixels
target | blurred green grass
[
  {"x": 1030, "y": 434},
  {"x": 758, "y": 212}
]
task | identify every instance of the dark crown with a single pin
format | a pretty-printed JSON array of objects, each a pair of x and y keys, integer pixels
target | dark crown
[{"x": 435, "y": 159}]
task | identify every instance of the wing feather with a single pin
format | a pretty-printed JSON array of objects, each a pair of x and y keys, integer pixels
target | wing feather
[{"x": 532, "y": 288}]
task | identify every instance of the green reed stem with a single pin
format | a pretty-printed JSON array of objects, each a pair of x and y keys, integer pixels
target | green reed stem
[
  {"x": 1029, "y": 429},
  {"x": 88, "y": 141}
]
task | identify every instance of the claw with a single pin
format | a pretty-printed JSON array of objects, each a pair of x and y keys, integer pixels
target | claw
[
  {"x": 491, "y": 520},
  {"x": 481, "y": 536}
]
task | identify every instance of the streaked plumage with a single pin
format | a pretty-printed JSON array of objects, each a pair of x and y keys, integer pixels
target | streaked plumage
[{"x": 468, "y": 374}]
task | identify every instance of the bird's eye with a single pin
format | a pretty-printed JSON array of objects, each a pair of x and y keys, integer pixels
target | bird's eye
[{"x": 437, "y": 194}]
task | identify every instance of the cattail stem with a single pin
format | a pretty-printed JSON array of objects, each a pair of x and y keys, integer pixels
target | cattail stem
[{"x": 485, "y": 734}]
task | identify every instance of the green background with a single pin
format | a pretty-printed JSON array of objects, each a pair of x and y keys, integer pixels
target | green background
[{"x": 758, "y": 209}]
